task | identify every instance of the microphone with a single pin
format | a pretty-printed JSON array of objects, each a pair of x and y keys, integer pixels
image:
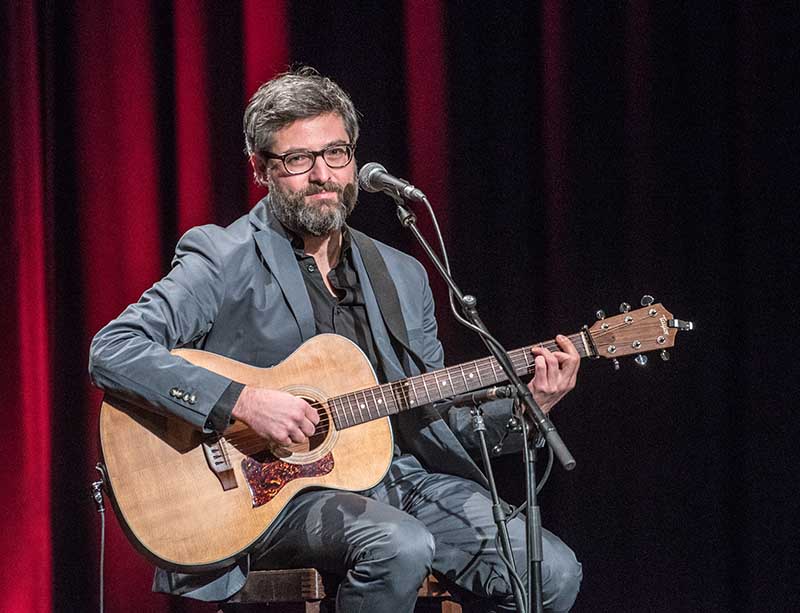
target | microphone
[{"x": 373, "y": 178}]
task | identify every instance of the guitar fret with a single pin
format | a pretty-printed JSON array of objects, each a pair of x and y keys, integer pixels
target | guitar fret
[
  {"x": 386, "y": 407},
  {"x": 374, "y": 404},
  {"x": 411, "y": 391},
  {"x": 453, "y": 389},
  {"x": 362, "y": 405},
  {"x": 353, "y": 408},
  {"x": 404, "y": 395},
  {"x": 336, "y": 406},
  {"x": 442, "y": 388},
  {"x": 478, "y": 371},
  {"x": 475, "y": 372},
  {"x": 464, "y": 376},
  {"x": 350, "y": 399},
  {"x": 390, "y": 388},
  {"x": 520, "y": 361},
  {"x": 425, "y": 386},
  {"x": 334, "y": 411}
]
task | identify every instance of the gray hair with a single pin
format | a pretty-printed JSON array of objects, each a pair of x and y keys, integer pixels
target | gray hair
[{"x": 298, "y": 94}]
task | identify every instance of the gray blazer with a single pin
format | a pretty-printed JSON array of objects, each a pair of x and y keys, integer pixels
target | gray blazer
[{"x": 238, "y": 291}]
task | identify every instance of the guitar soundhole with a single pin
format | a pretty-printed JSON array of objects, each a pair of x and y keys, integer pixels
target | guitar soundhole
[
  {"x": 317, "y": 439},
  {"x": 269, "y": 470},
  {"x": 313, "y": 442}
]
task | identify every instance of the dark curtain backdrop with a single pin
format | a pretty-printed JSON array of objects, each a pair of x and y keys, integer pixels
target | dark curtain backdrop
[{"x": 578, "y": 155}]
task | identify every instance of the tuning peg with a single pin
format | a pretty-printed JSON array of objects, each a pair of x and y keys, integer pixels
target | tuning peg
[
  {"x": 624, "y": 307},
  {"x": 615, "y": 362},
  {"x": 641, "y": 359},
  {"x": 646, "y": 300},
  {"x": 601, "y": 314},
  {"x": 665, "y": 355}
]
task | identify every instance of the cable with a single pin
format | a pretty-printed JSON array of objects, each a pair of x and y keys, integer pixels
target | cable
[
  {"x": 97, "y": 496},
  {"x": 102, "y": 554},
  {"x": 509, "y": 566}
]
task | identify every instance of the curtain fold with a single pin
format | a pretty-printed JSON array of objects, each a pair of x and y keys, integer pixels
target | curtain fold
[
  {"x": 26, "y": 473},
  {"x": 428, "y": 146}
]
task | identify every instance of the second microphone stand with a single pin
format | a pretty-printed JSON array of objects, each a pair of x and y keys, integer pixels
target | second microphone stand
[{"x": 531, "y": 414}]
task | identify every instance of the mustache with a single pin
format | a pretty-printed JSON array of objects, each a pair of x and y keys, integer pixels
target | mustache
[{"x": 317, "y": 188}]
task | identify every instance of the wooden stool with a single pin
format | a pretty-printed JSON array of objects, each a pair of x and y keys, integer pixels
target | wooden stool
[{"x": 306, "y": 590}]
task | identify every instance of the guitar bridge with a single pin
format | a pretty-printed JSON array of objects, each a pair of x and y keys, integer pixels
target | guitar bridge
[{"x": 220, "y": 463}]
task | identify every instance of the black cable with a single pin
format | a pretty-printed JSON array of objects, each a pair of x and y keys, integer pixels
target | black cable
[{"x": 97, "y": 496}]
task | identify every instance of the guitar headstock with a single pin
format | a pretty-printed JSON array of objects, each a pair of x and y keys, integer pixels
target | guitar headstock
[{"x": 650, "y": 328}]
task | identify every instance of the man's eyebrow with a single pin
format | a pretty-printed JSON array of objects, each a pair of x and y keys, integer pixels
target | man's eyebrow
[{"x": 332, "y": 143}]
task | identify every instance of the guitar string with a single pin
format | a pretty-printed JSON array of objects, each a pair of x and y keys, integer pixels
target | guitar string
[{"x": 481, "y": 366}]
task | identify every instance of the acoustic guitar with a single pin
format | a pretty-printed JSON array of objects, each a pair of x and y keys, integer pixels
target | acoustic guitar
[{"x": 195, "y": 502}]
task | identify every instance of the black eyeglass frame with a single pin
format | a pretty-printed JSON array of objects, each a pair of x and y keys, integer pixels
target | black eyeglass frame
[{"x": 350, "y": 147}]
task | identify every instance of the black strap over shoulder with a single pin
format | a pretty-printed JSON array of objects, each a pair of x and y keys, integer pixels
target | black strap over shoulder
[{"x": 385, "y": 293}]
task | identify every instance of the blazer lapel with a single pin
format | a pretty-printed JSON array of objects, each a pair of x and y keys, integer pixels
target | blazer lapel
[{"x": 276, "y": 249}]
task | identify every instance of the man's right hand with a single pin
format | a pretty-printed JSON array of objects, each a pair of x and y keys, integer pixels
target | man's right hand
[{"x": 277, "y": 416}]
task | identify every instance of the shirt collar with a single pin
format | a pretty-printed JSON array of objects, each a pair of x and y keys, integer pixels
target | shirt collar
[{"x": 297, "y": 242}]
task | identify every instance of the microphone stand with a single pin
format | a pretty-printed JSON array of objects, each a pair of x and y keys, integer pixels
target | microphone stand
[
  {"x": 533, "y": 521},
  {"x": 532, "y": 413}
]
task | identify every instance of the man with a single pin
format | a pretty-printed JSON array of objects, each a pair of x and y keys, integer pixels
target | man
[{"x": 256, "y": 290}]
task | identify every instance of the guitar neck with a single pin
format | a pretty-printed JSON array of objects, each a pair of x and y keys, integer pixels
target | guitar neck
[{"x": 391, "y": 398}]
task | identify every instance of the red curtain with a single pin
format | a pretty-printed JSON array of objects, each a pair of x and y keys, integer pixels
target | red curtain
[
  {"x": 121, "y": 209},
  {"x": 428, "y": 145},
  {"x": 25, "y": 540},
  {"x": 128, "y": 131}
]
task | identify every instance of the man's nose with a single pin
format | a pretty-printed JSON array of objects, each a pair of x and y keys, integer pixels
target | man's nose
[{"x": 320, "y": 172}]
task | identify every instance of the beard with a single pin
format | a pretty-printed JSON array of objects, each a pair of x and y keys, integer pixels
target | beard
[{"x": 320, "y": 217}]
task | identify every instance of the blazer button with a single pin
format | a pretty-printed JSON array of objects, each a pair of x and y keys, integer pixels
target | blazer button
[
  {"x": 192, "y": 399},
  {"x": 174, "y": 392}
]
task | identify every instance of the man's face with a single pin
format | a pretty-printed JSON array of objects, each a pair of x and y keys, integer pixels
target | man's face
[{"x": 316, "y": 202}]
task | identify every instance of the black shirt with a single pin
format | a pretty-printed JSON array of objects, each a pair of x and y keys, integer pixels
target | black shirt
[{"x": 344, "y": 314}]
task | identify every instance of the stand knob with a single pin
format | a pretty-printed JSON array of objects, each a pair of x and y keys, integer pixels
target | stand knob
[
  {"x": 647, "y": 300},
  {"x": 624, "y": 307},
  {"x": 513, "y": 424},
  {"x": 641, "y": 359}
]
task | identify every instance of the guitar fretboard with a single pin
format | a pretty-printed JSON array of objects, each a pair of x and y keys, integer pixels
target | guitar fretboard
[{"x": 383, "y": 400}]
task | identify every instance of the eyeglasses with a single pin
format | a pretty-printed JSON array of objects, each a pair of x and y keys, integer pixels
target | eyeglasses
[{"x": 299, "y": 162}]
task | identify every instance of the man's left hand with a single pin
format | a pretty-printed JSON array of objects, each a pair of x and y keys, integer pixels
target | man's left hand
[{"x": 555, "y": 373}]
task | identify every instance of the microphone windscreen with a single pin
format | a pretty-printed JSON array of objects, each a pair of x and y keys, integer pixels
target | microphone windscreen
[{"x": 366, "y": 174}]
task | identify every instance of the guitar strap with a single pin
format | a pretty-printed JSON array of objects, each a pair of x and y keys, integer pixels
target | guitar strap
[{"x": 385, "y": 293}]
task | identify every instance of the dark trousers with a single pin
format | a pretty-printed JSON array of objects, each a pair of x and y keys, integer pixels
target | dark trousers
[{"x": 386, "y": 540}]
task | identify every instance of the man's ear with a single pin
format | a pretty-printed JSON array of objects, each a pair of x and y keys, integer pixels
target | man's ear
[{"x": 259, "y": 165}]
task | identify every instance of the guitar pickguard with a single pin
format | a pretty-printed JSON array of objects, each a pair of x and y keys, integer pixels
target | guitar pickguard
[{"x": 267, "y": 478}]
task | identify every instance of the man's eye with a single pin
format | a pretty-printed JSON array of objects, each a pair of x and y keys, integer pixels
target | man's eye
[
  {"x": 336, "y": 152},
  {"x": 297, "y": 159}
]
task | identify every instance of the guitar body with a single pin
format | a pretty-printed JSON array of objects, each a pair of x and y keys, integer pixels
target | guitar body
[{"x": 176, "y": 509}]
